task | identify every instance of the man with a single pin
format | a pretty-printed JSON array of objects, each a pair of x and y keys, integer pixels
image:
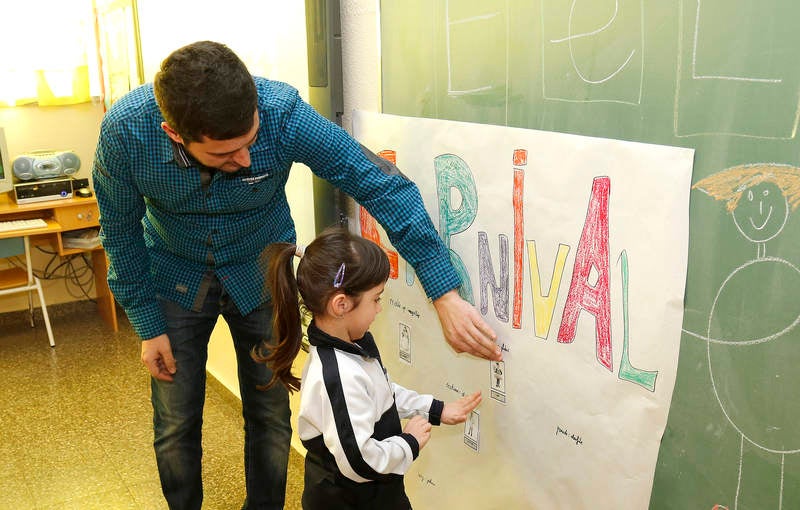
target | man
[{"x": 190, "y": 177}]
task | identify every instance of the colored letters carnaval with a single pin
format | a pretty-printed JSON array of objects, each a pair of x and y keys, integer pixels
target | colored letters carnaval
[{"x": 592, "y": 257}]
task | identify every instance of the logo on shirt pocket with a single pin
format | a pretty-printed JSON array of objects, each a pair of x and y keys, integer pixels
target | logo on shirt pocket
[{"x": 254, "y": 179}]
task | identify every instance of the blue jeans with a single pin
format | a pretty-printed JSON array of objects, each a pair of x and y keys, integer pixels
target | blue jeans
[{"x": 178, "y": 405}]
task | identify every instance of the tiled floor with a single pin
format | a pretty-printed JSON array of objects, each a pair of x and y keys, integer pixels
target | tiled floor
[{"x": 76, "y": 424}]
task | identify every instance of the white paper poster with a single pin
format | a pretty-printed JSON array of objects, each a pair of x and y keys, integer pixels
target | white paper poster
[{"x": 574, "y": 249}]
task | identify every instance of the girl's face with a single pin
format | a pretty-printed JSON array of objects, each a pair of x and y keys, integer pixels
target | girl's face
[{"x": 359, "y": 319}]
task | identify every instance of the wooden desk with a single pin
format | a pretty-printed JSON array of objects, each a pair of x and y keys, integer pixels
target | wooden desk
[{"x": 62, "y": 216}]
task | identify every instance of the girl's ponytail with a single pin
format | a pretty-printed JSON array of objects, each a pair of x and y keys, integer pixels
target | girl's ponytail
[{"x": 279, "y": 354}]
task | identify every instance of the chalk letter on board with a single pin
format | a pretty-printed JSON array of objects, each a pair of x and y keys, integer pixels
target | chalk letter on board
[
  {"x": 520, "y": 159},
  {"x": 477, "y": 38},
  {"x": 486, "y": 271},
  {"x": 627, "y": 372},
  {"x": 578, "y": 63},
  {"x": 750, "y": 70},
  {"x": 453, "y": 175},
  {"x": 592, "y": 253},
  {"x": 545, "y": 304}
]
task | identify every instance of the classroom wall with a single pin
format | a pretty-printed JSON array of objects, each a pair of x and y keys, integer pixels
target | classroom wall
[
  {"x": 270, "y": 38},
  {"x": 272, "y": 43},
  {"x": 53, "y": 127}
]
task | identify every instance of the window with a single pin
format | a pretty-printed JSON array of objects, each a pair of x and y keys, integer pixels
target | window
[
  {"x": 48, "y": 52},
  {"x": 55, "y": 52}
]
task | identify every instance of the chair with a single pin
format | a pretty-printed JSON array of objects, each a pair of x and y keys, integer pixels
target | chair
[{"x": 15, "y": 279}]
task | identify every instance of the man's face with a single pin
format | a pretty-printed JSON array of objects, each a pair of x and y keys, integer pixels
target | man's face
[{"x": 226, "y": 155}]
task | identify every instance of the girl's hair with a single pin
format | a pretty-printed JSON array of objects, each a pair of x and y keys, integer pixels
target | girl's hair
[{"x": 335, "y": 262}]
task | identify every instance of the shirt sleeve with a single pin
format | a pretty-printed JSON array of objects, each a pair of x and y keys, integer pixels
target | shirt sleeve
[
  {"x": 409, "y": 403},
  {"x": 379, "y": 186},
  {"x": 121, "y": 211}
]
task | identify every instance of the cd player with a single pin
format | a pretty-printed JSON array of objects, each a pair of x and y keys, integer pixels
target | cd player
[{"x": 45, "y": 164}]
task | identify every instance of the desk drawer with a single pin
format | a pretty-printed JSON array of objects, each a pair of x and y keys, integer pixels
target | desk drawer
[{"x": 77, "y": 216}]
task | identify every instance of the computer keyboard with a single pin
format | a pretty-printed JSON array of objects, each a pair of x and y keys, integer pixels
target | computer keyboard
[{"x": 9, "y": 226}]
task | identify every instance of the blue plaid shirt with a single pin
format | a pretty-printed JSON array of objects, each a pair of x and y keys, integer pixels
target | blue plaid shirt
[{"x": 164, "y": 230}]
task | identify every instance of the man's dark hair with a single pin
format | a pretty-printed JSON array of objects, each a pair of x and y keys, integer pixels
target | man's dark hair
[{"x": 204, "y": 89}]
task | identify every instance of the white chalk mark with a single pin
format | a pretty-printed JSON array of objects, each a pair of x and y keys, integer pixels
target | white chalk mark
[
  {"x": 586, "y": 34},
  {"x": 718, "y": 77},
  {"x": 471, "y": 19},
  {"x": 754, "y": 341},
  {"x": 701, "y": 77},
  {"x": 570, "y": 37},
  {"x": 741, "y": 462},
  {"x": 739, "y": 430}
]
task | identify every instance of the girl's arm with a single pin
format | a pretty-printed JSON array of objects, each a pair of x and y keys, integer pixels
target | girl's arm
[
  {"x": 437, "y": 412},
  {"x": 410, "y": 403}
]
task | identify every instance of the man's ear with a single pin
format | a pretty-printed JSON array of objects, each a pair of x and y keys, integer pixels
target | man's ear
[
  {"x": 339, "y": 305},
  {"x": 172, "y": 133}
]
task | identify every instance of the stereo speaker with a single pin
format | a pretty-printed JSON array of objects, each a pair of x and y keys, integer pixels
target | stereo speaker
[{"x": 45, "y": 165}]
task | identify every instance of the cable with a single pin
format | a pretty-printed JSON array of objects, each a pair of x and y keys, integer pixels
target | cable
[{"x": 76, "y": 270}]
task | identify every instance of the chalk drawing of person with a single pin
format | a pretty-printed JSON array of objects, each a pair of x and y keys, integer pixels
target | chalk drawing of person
[{"x": 753, "y": 342}]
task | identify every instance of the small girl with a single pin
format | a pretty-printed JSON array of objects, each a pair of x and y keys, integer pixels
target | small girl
[{"x": 350, "y": 411}]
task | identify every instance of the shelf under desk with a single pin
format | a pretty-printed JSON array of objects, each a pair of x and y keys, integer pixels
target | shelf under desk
[{"x": 62, "y": 216}]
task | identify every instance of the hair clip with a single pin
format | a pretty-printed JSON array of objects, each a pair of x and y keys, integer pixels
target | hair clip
[
  {"x": 339, "y": 278},
  {"x": 299, "y": 250}
]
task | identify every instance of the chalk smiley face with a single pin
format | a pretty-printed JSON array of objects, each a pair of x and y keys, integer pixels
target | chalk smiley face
[{"x": 761, "y": 212}]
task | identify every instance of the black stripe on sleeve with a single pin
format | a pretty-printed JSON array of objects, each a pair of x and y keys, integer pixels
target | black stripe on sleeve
[
  {"x": 435, "y": 412},
  {"x": 412, "y": 442}
]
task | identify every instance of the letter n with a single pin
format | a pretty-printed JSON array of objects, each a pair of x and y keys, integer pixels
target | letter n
[{"x": 499, "y": 290}]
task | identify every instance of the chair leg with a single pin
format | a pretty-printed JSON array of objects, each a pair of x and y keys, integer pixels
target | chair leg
[
  {"x": 30, "y": 307},
  {"x": 44, "y": 312}
]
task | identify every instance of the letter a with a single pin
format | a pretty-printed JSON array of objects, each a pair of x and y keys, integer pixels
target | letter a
[{"x": 592, "y": 252}]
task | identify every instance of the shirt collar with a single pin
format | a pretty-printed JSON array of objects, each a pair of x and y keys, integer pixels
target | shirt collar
[
  {"x": 179, "y": 154},
  {"x": 183, "y": 159},
  {"x": 364, "y": 346}
]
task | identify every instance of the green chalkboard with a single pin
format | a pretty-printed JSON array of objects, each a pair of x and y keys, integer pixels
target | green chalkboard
[{"x": 719, "y": 76}]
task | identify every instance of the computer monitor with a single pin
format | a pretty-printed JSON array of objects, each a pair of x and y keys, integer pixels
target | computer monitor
[{"x": 6, "y": 175}]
